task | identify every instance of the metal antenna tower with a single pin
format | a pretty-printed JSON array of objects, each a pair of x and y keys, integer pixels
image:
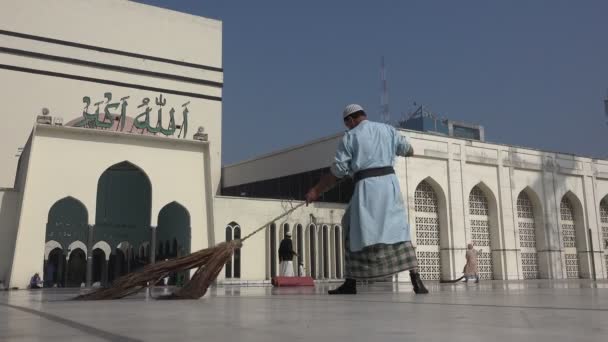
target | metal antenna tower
[
  {"x": 385, "y": 115},
  {"x": 606, "y": 107}
]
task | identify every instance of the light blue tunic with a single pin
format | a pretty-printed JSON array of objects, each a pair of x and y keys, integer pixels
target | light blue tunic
[{"x": 376, "y": 212}]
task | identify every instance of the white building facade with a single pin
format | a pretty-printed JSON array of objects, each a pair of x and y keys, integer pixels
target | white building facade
[
  {"x": 117, "y": 175},
  {"x": 530, "y": 214}
]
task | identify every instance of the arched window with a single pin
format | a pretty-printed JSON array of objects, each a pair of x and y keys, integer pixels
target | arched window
[
  {"x": 273, "y": 250},
  {"x": 228, "y": 268},
  {"x": 326, "y": 270},
  {"x": 233, "y": 266},
  {"x": 312, "y": 240},
  {"x": 569, "y": 238},
  {"x": 237, "y": 254},
  {"x": 285, "y": 230},
  {"x": 338, "y": 251},
  {"x": 427, "y": 231},
  {"x": 527, "y": 236},
  {"x": 479, "y": 213},
  {"x": 300, "y": 247},
  {"x": 604, "y": 223}
]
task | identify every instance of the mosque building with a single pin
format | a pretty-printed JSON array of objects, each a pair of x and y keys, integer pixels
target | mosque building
[{"x": 111, "y": 158}]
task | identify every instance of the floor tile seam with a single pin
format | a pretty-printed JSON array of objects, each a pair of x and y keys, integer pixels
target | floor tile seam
[
  {"x": 429, "y": 303},
  {"x": 87, "y": 329}
]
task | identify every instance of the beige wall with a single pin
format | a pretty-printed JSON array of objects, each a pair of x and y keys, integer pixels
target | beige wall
[
  {"x": 8, "y": 230},
  {"x": 130, "y": 28},
  {"x": 252, "y": 213},
  {"x": 69, "y": 161}
]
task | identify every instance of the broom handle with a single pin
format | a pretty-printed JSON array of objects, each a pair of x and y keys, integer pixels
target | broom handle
[
  {"x": 287, "y": 212},
  {"x": 274, "y": 219}
]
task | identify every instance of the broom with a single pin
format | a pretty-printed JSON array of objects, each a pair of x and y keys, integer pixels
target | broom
[
  {"x": 443, "y": 281},
  {"x": 209, "y": 262}
]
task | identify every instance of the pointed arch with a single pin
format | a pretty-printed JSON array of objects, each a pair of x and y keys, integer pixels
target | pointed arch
[
  {"x": 604, "y": 224},
  {"x": 338, "y": 252},
  {"x": 124, "y": 204},
  {"x": 529, "y": 231},
  {"x": 325, "y": 251},
  {"x": 427, "y": 220},
  {"x": 572, "y": 228},
  {"x": 233, "y": 265},
  {"x": 483, "y": 221},
  {"x": 174, "y": 225},
  {"x": 311, "y": 242},
  {"x": 49, "y": 246},
  {"x": 76, "y": 245},
  {"x": 103, "y": 246},
  {"x": 67, "y": 221},
  {"x": 299, "y": 233},
  {"x": 237, "y": 254}
]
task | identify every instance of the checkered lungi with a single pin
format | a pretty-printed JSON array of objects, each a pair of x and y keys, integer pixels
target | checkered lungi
[{"x": 380, "y": 260}]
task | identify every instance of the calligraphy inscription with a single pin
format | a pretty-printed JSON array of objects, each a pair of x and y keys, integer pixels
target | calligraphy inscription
[{"x": 142, "y": 121}]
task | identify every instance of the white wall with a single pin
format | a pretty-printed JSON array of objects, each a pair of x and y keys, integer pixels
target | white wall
[
  {"x": 126, "y": 28},
  {"x": 69, "y": 161}
]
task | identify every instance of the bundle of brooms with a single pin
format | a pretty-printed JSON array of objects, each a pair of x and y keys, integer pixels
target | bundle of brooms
[{"x": 209, "y": 262}]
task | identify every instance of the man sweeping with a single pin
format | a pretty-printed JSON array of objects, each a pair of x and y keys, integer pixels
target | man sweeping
[{"x": 376, "y": 232}]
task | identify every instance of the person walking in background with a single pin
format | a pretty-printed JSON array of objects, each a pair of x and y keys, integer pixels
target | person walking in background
[
  {"x": 286, "y": 254},
  {"x": 471, "y": 268}
]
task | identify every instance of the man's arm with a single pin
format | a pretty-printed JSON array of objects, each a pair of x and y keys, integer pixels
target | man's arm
[{"x": 326, "y": 182}]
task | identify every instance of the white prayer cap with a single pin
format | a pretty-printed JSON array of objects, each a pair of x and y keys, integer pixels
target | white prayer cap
[
  {"x": 288, "y": 234},
  {"x": 350, "y": 109}
]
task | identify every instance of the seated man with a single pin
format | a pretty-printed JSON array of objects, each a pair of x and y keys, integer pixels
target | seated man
[{"x": 35, "y": 281}]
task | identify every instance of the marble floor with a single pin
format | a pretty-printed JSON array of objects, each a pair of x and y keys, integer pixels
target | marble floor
[{"x": 491, "y": 311}]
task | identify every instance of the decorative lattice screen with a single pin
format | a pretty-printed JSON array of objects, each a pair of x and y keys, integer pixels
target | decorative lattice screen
[
  {"x": 527, "y": 236},
  {"x": 569, "y": 238},
  {"x": 427, "y": 232},
  {"x": 480, "y": 231}
]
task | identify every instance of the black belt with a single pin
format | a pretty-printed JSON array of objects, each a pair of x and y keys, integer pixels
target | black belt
[{"x": 375, "y": 172}]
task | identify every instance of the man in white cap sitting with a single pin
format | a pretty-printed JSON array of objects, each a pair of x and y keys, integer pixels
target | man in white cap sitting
[
  {"x": 376, "y": 229},
  {"x": 286, "y": 254}
]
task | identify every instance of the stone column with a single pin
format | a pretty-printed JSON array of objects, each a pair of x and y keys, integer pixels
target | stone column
[
  {"x": 152, "y": 245},
  {"x": 549, "y": 258},
  {"x": 90, "y": 257},
  {"x": 104, "y": 272},
  {"x": 65, "y": 271}
]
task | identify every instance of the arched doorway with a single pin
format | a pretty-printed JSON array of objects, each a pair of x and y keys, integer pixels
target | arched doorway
[
  {"x": 273, "y": 250},
  {"x": 300, "y": 247},
  {"x": 99, "y": 267},
  {"x": 55, "y": 268},
  {"x": 174, "y": 228},
  {"x": 604, "y": 223},
  {"x": 77, "y": 268},
  {"x": 570, "y": 225},
  {"x": 67, "y": 222},
  {"x": 427, "y": 231},
  {"x": 228, "y": 267},
  {"x": 526, "y": 225},
  {"x": 123, "y": 214},
  {"x": 479, "y": 215}
]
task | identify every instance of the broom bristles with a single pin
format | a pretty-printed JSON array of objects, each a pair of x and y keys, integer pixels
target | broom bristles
[{"x": 209, "y": 262}]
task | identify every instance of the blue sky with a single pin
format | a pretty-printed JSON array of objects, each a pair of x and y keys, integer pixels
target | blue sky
[{"x": 534, "y": 73}]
